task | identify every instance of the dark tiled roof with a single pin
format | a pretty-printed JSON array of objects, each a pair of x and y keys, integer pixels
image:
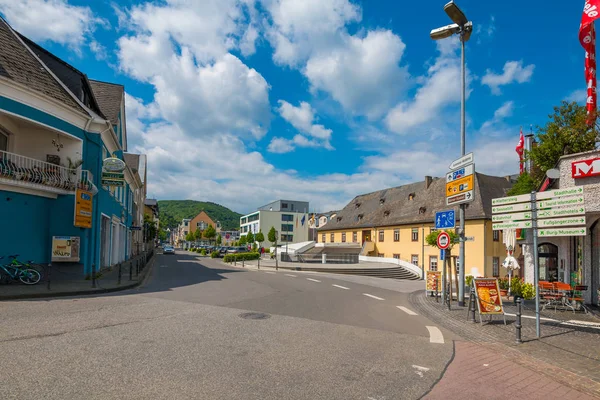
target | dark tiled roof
[
  {"x": 393, "y": 207},
  {"x": 19, "y": 65},
  {"x": 109, "y": 96},
  {"x": 132, "y": 161}
]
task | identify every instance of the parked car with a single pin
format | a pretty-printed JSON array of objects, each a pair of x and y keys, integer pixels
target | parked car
[
  {"x": 168, "y": 250},
  {"x": 222, "y": 250},
  {"x": 238, "y": 249}
]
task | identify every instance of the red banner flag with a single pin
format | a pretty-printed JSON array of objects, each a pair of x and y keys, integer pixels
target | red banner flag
[
  {"x": 587, "y": 38},
  {"x": 519, "y": 150}
]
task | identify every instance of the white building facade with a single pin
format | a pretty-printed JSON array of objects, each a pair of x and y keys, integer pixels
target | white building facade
[{"x": 289, "y": 218}]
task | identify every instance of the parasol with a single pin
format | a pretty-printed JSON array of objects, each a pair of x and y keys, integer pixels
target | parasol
[{"x": 510, "y": 263}]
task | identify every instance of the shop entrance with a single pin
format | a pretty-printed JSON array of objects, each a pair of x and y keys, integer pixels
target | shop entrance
[
  {"x": 366, "y": 236},
  {"x": 548, "y": 262}
]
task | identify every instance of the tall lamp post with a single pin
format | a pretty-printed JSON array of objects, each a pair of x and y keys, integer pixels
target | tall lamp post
[{"x": 462, "y": 27}]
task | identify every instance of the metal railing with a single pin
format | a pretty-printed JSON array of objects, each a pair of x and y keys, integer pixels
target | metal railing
[
  {"x": 17, "y": 170},
  {"x": 334, "y": 258}
]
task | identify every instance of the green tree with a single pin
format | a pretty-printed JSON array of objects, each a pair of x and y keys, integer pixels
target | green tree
[
  {"x": 431, "y": 239},
  {"x": 242, "y": 241},
  {"x": 149, "y": 227},
  {"x": 219, "y": 240},
  {"x": 566, "y": 133},
  {"x": 198, "y": 234},
  {"x": 249, "y": 238},
  {"x": 210, "y": 233},
  {"x": 272, "y": 235},
  {"x": 524, "y": 185},
  {"x": 189, "y": 237},
  {"x": 260, "y": 238}
]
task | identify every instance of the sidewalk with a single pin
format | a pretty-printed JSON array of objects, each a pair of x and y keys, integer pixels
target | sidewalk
[
  {"x": 64, "y": 280},
  {"x": 566, "y": 353}
]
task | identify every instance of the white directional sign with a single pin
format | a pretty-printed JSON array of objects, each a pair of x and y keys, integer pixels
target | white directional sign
[
  {"x": 511, "y": 217},
  {"x": 460, "y": 173},
  {"x": 461, "y": 162},
  {"x": 543, "y": 223},
  {"x": 460, "y": 198},
  {"x": 569, "y": 201},
  {"x": 561, "y": 212},
  {"x": 511, "y": 208},
  {"x": 512, "y": 225},
  {"x": 551, "y": 194},
  {"x": 562, "y": 232}
]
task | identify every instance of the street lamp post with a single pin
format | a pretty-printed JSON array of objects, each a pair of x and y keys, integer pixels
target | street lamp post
[{"x": 462, "y": 27}]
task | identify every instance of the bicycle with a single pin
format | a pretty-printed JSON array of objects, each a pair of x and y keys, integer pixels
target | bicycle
[{"x": 16, "y": 271}]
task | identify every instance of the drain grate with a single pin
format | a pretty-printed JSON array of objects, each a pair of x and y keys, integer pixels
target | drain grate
[{"x": 255, "y": 315}]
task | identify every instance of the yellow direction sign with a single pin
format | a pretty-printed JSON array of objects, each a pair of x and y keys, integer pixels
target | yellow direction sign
[
  {"x": 459, "y": 186},
  {"x": 83, "y": 209}
]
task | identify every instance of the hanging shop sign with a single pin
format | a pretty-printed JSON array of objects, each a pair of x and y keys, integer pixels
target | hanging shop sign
[
  {"x": 113, "y": 164},
  {"x": 65, "y": 248},
  {"x": 83, "y": 209},
  {"x": 585, "y": 168},
  {"x": 113, "y": 179}
]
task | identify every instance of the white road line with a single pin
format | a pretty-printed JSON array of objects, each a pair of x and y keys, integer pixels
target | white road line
[
  {"x": 268, "y": 272},
  {"x": 435, "y": 335},
  {"x": 341, "y": 287},
  {"x": 293, "y": 276},
  {"x": 311, "y": 279},
  {"x": 406, "y": 310},
  {"x": 373, "y": 297}
]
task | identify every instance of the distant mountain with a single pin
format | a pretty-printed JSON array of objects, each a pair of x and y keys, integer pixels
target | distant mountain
[{"x": 173, "y": 211}]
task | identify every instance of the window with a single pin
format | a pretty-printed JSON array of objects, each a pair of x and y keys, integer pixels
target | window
[
  {"x": 381, "y": 255},
  {"x": 287, "y": 217},
  {"x": 415, "y": 234},
  {"x": 496, "y": 265},
  {"x": 287, "y": 227},
  {"x": 332, "y": 238},
  {"x": 253, "y": 217},
  {"x": 381, "y": 235},
  {"x": 284, "y": 205},
  {"x": 292, "y": 206},
  {"x": 496, "y": 236},
  {"x": 355, "y": 237},
  {"x": 431, "y": 229},
  {"x": 3, "y": 141},
  {"x": 323, "y": 238},
  {"x": 287, "y": 238},
  {"x": 433, "y": 261},
  {"x": 243, "y": 221},
  {"x": 344, "y": 237},
  {"x": 414, "y": 259},
  {"x": 186, "y": 223},
  {"x": 396, "y": 235},
  {"x": 397, "y": 256}
]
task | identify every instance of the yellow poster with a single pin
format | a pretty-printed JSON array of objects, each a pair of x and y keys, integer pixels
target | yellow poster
[
  {"x": 83, "y": 209},
  {"x": 459, "y": 186}
]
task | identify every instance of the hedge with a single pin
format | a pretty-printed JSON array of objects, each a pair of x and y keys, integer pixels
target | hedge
[
  {"x": 203, "y": 252},
  {"x": 241, "y": 256}
]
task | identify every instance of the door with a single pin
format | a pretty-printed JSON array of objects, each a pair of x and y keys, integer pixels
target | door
[
  {"x": 105, "y": 242},
  {"x": 366, "y": 236},
  {"x": 548, "y": 262}
]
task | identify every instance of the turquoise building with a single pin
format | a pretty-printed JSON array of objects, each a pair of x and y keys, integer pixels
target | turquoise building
[{"x": 56, "y": 128}]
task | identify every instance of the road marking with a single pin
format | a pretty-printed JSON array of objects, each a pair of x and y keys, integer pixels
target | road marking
[
  {"x": 435, "y": 335},
  {"x": 419, "y": 370},
  {"x": 341, "y": 287},
  {"x": 268, "y": 272},
  {"x": 373, "y": 297},
  {"x": 293, "y": 276},
  {"x": 406, "y": 310},
  {"x": 311, "y": 279}
]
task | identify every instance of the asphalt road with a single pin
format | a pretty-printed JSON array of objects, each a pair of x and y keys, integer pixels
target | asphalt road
[{"x": 183, "y": 335}]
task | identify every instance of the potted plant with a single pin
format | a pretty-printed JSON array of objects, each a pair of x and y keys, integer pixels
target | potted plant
[
  {"x": 516, "y": 288},
  {"x": 504, "y": 284},
  {"x": 527, "y": 291}
]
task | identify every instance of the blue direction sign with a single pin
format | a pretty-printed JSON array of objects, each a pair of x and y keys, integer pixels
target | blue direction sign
[{"x": 444, "y": 219}]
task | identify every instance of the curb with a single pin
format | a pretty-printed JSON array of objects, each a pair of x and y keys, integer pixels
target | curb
[{"x": 51, "y": 294}]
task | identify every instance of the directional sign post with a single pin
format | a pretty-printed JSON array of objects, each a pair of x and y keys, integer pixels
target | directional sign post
[
  {"x": 562, "y": 232},
  {"x": 445, "y": 219}
]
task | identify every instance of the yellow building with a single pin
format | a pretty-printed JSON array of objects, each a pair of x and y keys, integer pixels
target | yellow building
[{"x": 393, "y": 223}]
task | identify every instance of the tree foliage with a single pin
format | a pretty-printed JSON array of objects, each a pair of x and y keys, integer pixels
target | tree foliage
[
  {"x": 566, "y": 133},
  {"x": 260, "y": 238},
  {"x": 249, "y": 237},
  {"x": 210, "y": 233},
  {"x": 173, "y": 211},
  {"x": 149, "y": 227},
  {"x": 431, "y": 239},
  {"x": 525, "y": 184},
  {"x": 197, "y": 234},
  {"x": 190, "y": 237},
  {"x": 272, "y": 235},
  {"x": 242, "y": 241},
  {"x": 219, "y": 240}
]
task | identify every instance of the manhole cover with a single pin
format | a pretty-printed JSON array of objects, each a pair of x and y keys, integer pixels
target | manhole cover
[{"x": 255, "y": 315}]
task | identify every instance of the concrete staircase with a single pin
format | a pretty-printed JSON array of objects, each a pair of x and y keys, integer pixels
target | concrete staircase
[{"x": 396, "y": 272}]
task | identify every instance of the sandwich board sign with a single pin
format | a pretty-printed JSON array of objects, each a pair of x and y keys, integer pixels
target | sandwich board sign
[{"x": 487, "y": 295}]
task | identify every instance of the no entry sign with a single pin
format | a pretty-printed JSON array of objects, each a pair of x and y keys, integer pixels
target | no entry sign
[{"x": 443, "y": 240}]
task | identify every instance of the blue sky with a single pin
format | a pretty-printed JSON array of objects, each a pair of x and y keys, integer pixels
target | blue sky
[{"x": 242, "y": 102}]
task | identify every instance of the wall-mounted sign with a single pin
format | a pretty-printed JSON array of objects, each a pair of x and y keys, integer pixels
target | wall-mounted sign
[
  {"x": 65, "y": 248},
  {"x": 585, "y": 168},
  {"x": 83, "y": 209},
  {"x": 113, "y": 164},
  {"x": 113, "y": 179}
]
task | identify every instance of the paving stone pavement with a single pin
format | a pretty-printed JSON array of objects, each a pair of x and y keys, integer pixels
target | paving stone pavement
[
  {"x": 567, "y": 354},
  {"x": 478, "y": 372}
]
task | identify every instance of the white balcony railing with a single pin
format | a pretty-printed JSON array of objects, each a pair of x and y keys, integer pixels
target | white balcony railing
[{"x": 17, "y": 170}]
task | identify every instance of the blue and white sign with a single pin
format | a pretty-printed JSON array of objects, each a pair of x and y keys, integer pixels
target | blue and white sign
[
  {"x": 460, "y": 173},
  {"x": 442, "y": 255},
  {"x": 445, "y": 219}
]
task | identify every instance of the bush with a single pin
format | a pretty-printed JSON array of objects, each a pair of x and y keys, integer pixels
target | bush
[
  {"x": 241, "y": 256},
  {"x": 469, "y": 280},
  {"x": 527, "y": 291},
  {"x": 516, "y": 286},
  {"x": 214, "y": 254},
  {"x": 203, "y": 252},
  {"x": 192, "y": 249},
  {"x": 503, "y": 283}
]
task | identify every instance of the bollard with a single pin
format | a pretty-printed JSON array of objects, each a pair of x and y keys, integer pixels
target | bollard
[
  {"x": 93, "y": 275},
  {"x": 243, "y": 262},
  {"x": 48, "y": 276},
  {"x": 472, "y": 307},
  {"x": 130, "y": 271},
  {"x": 518, "y": 324},
  {"x": 235, "y": 260},
  {"x": 259, "y": 261},
  {"x": 119, "y": 280},
  {"x": 137, "y": 269}
]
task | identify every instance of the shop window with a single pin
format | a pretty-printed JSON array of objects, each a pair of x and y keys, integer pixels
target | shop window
[
  {"x": 414, "y": 259},
  {"x": 355, "y": 237},
  {"x": 415, "y": 234},
  {"x": 344, "y": 237},
  {"x": 496, "y": 266},
  {"x": 381, "y": 235},
  {"x": 496, "y": 236},
  {"x": 433, "y": 263},
  {"x": 396, "y": 235}
]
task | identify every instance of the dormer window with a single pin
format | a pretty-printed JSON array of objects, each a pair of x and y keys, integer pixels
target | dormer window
[
  {"x": 411, "y": 196},
  {"x": 381, "y": 201},
  {"x": 338, "y": 219},
  {"x": 422, "y": 210},
  {"x": 359, "y": 217},
  {"x": 357, "y": 205},
  {"x": 386, "y": 213}
]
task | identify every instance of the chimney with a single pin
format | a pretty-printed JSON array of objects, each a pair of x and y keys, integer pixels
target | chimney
[
  {"x": 508, "y": 178},
  {"x": 428, "y": 180}
]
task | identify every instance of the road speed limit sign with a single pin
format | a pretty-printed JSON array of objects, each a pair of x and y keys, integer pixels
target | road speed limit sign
[{"x": 443, "y": 240}]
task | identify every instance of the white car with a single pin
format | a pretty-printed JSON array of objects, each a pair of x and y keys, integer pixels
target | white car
[{"x": 168, "y": 250}]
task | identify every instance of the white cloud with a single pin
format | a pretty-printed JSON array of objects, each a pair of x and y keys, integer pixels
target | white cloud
[
  {"x": 280, "y": 145},
  {"x": 485, "y": 31},
  {"x": 53, "y": 20},
  {"x": 503, "y": 112},
  {"x": 439, "y": 89},
  {"x": 302, "y": 119},
  {"x": 578, "y": 96},
  {"x": 362, "y": 73},
  {"x": 513, "y": 71}
]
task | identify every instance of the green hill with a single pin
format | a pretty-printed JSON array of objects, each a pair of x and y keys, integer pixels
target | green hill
[{"x": 173, "y": 211}]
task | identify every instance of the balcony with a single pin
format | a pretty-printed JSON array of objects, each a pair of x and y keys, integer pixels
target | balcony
[{"x": 21, "y": 171}]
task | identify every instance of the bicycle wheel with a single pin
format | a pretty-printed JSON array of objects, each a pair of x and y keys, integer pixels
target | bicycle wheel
[{"x": 29, "y": 276}]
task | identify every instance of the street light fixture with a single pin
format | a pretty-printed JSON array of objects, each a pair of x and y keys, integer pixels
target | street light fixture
[{"x": 462, "y": 27}]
